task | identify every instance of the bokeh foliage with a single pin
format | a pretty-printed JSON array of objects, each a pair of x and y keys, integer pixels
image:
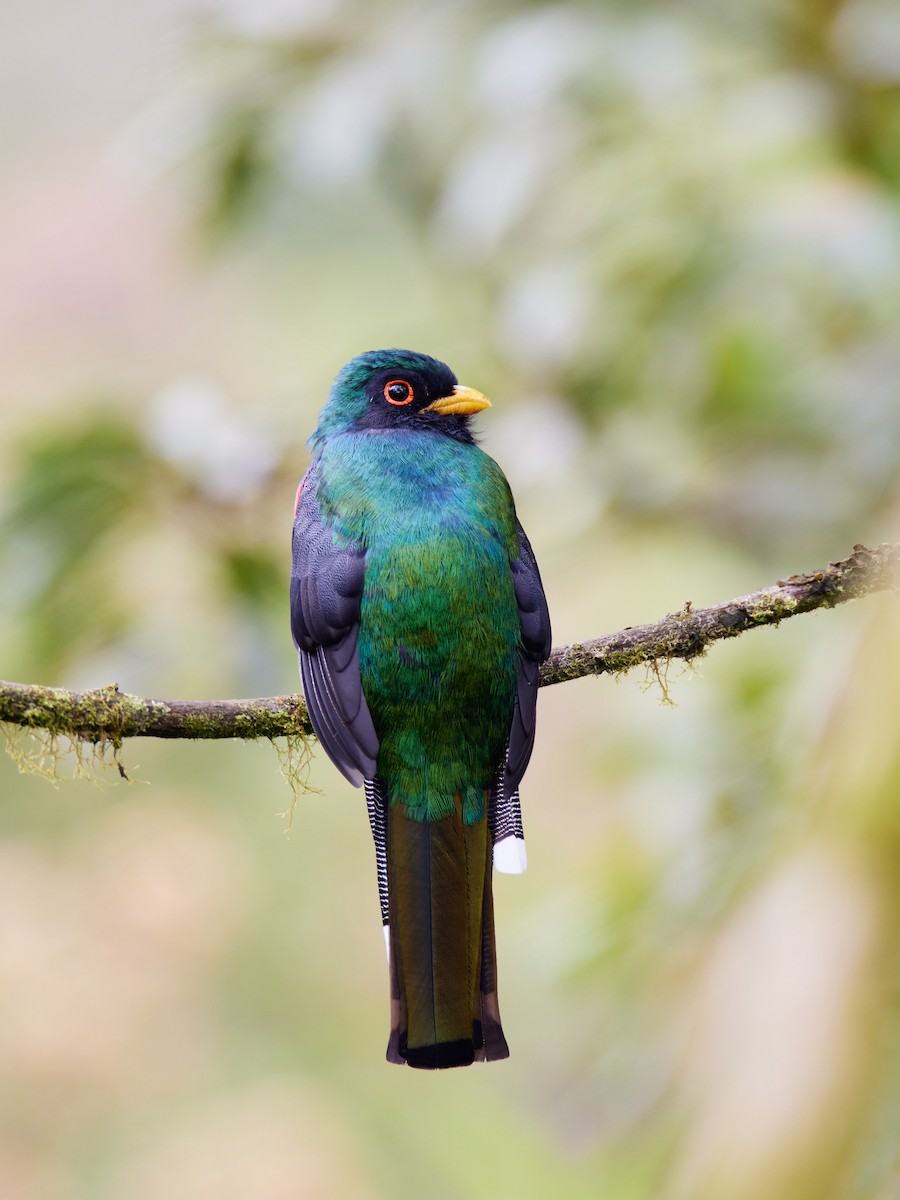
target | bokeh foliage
[{"x": 665, "y": 239}]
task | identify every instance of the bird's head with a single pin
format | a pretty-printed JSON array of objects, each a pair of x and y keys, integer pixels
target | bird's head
[{"x": 398, "y": 389}]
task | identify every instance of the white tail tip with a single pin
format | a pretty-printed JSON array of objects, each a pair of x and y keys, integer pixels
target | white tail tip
[
  {"x": 509, "y": 856},
  {"x": 387, "y": 942}
]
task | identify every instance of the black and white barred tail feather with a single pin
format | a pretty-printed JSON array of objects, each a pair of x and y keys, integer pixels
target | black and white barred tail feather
[
  {"x": 505, "y": 823},
  {"x": 375, "y": 803}
]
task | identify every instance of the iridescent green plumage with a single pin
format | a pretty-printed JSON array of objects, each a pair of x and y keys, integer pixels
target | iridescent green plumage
[
  {"x": 439, "y": 626},
  {"x": 420, "y": 619}
]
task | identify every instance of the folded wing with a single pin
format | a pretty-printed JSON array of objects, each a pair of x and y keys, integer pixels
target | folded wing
[
  {"x": 534, "y": 620},
  {"x": 326, "y": 589}
]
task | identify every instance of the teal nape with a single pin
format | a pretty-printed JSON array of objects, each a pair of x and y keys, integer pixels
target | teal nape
[{"x": 420, "y": 620}]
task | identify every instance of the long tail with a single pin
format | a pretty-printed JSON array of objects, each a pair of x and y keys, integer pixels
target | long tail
[{"x": 438, "y": 907}]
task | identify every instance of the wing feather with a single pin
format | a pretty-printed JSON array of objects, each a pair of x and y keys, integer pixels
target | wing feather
[
  {"x": 534, "y": 622},
  {"x": 326, "y": 589}
]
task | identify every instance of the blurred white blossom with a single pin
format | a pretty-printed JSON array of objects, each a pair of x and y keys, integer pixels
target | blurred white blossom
[
  {"x": 866, "y": 37},
  {"x": 276, "y": 18},
  {"x": 342, "y": 122},
  {"x": 658, "y": 57},
  {"x": 543, "y": 313},
  {"x": 189, "y": 423},
  {"x": 524, "y": 63},
  {"x": 492, "y": 184}
]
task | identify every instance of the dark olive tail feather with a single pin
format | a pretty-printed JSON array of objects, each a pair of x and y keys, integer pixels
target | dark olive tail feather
[{"x": 438, "y": 906}]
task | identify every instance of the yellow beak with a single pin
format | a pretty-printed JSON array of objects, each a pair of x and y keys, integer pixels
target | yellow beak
[{"x": 462, "y": 401}]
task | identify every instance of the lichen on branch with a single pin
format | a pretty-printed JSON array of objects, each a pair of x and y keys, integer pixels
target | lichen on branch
[{"x": 687, "y": 634}]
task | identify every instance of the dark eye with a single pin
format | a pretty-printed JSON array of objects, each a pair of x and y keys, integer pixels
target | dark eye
[{"x": 398, "y": 391}]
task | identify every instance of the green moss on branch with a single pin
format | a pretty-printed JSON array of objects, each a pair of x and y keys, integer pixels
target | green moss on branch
[
  {"x": 106, "y": 714},
  {"x": 688, "y": 633}
]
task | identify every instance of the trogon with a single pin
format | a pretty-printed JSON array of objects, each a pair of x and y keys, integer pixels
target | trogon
[{"x": 420, "y": 620}]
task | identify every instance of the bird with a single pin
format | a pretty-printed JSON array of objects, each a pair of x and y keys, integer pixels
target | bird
[{"x": 420, "y": 621}]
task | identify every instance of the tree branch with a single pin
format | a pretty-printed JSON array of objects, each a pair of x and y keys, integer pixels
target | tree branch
[
  {"x": 686, "y": 634},
  {"x": 108, "y": 715}
]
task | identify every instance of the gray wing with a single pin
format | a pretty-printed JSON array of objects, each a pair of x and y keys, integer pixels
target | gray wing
[
  {"x": 534, "y": 619},
  {"x": 326, "y": 589}
]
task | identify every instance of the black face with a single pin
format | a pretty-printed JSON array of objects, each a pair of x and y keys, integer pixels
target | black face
[{"x": 398, "y": 395}]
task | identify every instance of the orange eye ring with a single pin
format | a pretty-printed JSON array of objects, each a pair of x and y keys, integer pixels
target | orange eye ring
[{"x": 404, "y": 396}]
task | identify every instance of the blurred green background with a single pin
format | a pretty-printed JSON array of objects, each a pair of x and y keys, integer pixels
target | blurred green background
[{"x": 665, "y": 239}]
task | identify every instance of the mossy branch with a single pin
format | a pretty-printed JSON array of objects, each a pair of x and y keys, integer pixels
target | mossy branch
[
  {"x": 687, "y": 633},
  {"x": 106, "y": 715}
]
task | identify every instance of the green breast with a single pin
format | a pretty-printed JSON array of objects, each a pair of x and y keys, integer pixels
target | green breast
[{"x": 439, "y": 624}]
